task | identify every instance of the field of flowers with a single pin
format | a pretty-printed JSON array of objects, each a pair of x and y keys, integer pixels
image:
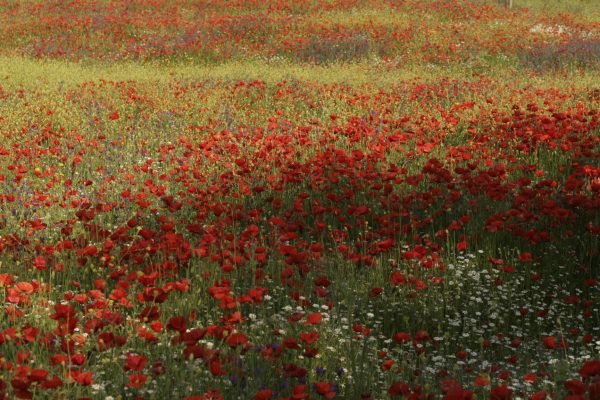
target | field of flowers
[{"x": 307, "y": 199}]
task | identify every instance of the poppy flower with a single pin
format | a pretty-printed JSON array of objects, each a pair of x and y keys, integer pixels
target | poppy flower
[
  {"x": 314, "y": 319},
  {"x": 137, "y": 380},
  {"x": 401, "y": 337},
  {"x": 482, "y": 380},
  {"x": 453, "y": 391},
  {"x": 264, "y": 394},
  {"x": 325, "y": 389},
  {"x": 299, "y": 392},
  {"x": 40, "y": 263},
  {"x": 590, "y": 369},
  {"x": 549, "y": 342},
  {"x": 237, "y": 339},
  {"x": 52, "y": 383},
  {"x": 309, "y": 337},
  {"x": 399, "y": 389},
  {"x": 134, "y": 362},
  {"x": 177, "y": 324},
  {"x": 575, "y": 387},
  {"x": 501, "y": 392},
  {"x": 81, "y": 377}
]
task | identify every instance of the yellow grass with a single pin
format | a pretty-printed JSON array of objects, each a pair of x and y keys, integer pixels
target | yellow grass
[
  {"x": 16, "y": 71},
  {"x": 33, "y": 73},
  {"x": 357, "y": 18},
  {"x": 587, "y": 10}
]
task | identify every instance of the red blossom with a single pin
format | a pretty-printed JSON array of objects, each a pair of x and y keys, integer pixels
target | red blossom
[{"x": 590, "y": 369}]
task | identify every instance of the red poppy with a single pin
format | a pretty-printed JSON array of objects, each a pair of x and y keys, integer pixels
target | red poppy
[
  {"x": 314, "y": 319},
  {"x": 325, "y": 389},
  {"x": 501, "y": 392},
  {"x": 549, "y": 342},
  {"x": 134, "y": 362},
  {"x": 401, "y": 337},
  {"x": 137, "y": 380},
  {"x": 575, "y": 387},
  {"x": 399, "y": 389},
  {"x": 590, "y": 369},
  {"x": 482, "y": 380},
  {"x": 264, "y": 394},
  {"x": 237, "y": 339},
  {"x": 177, "y": 324}
]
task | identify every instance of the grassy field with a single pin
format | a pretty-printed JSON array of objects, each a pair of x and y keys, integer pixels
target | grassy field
[{"x": 353, "y": 199}]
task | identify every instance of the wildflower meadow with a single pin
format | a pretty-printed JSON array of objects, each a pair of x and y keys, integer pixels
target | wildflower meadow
[{"x": 299, "y": 199}]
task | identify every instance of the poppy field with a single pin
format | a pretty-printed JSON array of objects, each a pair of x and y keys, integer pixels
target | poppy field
[{"x": 309, "y": 199}]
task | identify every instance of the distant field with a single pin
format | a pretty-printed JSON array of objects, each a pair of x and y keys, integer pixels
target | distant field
[{"x": 300, "y": 199}]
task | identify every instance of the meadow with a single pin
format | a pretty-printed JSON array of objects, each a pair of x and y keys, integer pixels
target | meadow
[{"x": 309, "y": 199}]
